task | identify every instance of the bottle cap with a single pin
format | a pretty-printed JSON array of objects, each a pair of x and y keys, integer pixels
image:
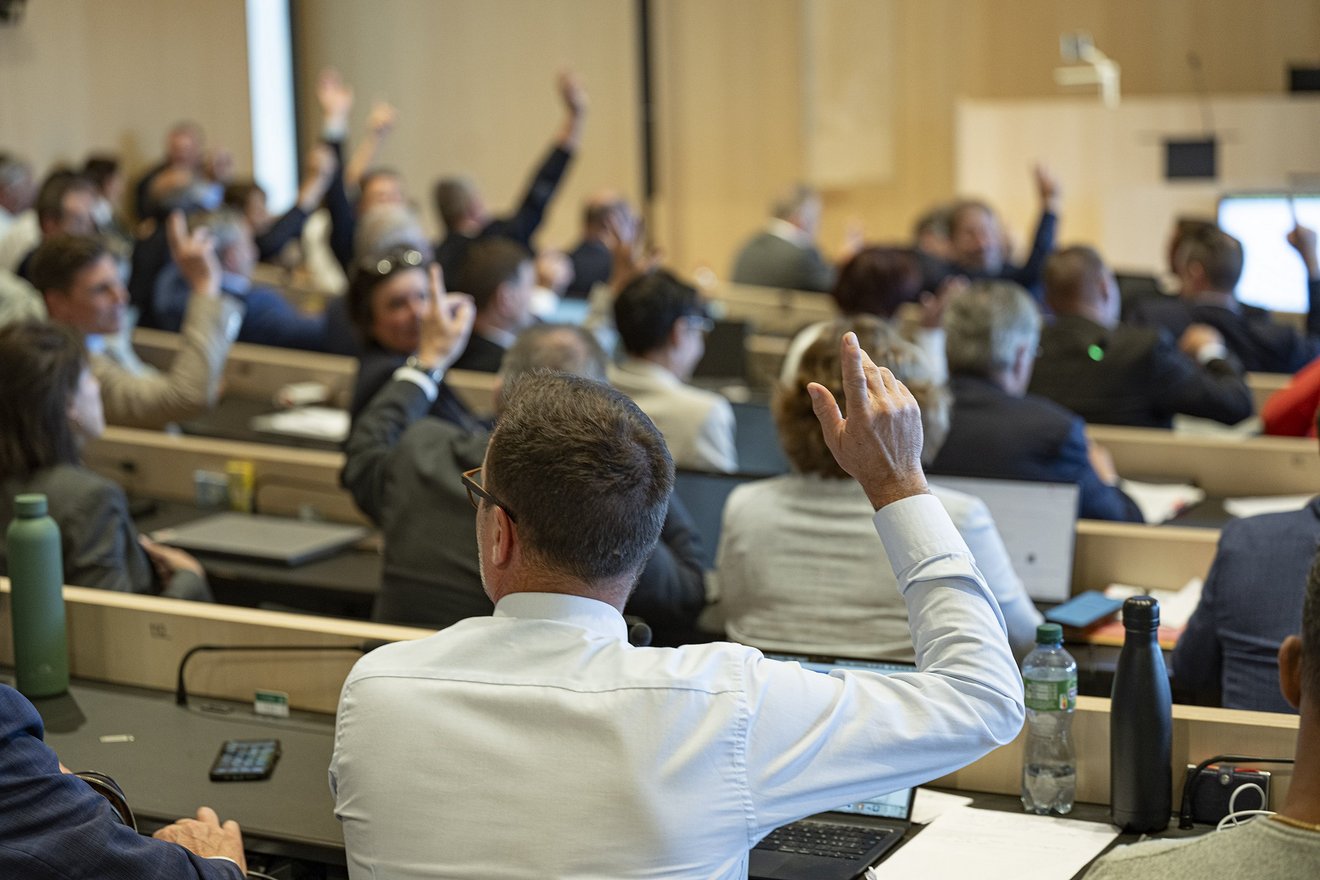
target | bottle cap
[
  {"x": 30, "y": 506},
  {"x": 1141, "y": 612},
  {"x": 1049, "y": 634}
]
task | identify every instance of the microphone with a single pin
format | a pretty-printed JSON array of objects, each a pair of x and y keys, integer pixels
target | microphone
[
  {"x": 1202, "y": 95},
  {"x": 639, "y": 635},
  {"x": 181, "y": 691}
]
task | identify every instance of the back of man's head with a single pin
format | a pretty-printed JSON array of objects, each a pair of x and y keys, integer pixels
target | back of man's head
[
  {"x": 59, "y": 259},
  {"x": 985, "y": 327},
  {"x": 387, "y": 226},
  {"x": 1219, "y": 256},
  {"x": 487, "y": 264},
  {"x": 877, "y": 281},
  {"x": 584, "y": 472},
  {"x": 16, "y": 190},
  {"x": 559, "y": 348},
  {"x": 1074, "y": 279},
  {"x": 54, "y": 189},
  {"x": 799, "y": 205},
  {"x": 647, "y": 309},
  {"x": 453, "y": 200}
]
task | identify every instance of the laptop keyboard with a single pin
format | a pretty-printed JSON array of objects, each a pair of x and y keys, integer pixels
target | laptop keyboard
[{"x": 824, "y": 839}]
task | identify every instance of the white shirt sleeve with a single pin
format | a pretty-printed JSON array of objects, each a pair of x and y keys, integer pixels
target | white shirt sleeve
[{"x": 815, "y": 742}]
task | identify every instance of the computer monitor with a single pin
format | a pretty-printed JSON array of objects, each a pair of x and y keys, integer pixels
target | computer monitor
[{"x": 1273, "y": 275}]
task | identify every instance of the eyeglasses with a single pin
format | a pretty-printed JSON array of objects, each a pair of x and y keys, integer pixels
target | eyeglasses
[
  {"x": 383, "y": 265},
  {"x": 699, "y": 322},
  {"x": 476, "y": 492}
]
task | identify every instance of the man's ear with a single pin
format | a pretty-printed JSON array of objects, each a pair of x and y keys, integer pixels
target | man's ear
[
  {"x": 503, "y": 540},
  {"x": 57, "y": 302},
  {"x": 1290, "y": 670},
  {"x": 675, "y": 337}
]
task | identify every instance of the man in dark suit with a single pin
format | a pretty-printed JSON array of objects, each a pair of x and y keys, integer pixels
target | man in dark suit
[
  {"x": 53, "y": 826},
  {"x": 1209, "y": 265},
  {"x": 1250, "y": 603},
  {"x": 500, "y": 277},
  {"x": 1117, "y": 374},
  {"x": 784, "y": 254},
  {"x": 997, "y": 429},
  {"x": 463, "y": 211},
  {"x": 405, "y": 472},
  {"x": 592, "y": 259}
]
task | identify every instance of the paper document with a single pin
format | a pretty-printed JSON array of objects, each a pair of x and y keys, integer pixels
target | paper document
[
  {"x": 1000, "y": 846},
  {"x": 1266, "y": 504},
  {"x": 1176, "y": 606},
  {"x": 1160, "y": 502},
  {"x": 317, "y": 422},
  {"x": 930, "y": 805}
]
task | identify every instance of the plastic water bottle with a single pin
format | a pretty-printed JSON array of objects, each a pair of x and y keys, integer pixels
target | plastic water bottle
[
  {"x": 1141, "y": 725},
  {"x": 1049, "y": 762},
  {"x": 36, "y": 597}
]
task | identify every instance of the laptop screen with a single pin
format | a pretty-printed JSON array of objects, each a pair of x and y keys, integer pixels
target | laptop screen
[{"x": 897, "y": 804}]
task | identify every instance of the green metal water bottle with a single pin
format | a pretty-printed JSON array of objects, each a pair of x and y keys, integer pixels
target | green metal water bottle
[{"x": 36, "y": 600}]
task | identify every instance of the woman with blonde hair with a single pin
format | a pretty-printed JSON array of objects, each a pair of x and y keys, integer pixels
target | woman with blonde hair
[{"x": 800, "y": 568}]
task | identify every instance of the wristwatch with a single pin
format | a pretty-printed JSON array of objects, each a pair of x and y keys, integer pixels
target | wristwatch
[{"x": 434, "y": 373}]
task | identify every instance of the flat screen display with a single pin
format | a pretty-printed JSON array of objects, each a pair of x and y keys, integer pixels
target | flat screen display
[{"x": 1273, "y": 275}]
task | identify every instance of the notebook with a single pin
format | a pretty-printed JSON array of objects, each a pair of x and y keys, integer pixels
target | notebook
[
  {"x": 841, "y": 843},
  {"x": 262, "y": 538}
]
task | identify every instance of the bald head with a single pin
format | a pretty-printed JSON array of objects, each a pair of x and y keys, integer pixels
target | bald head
[{"x": 1077, "y": 282}]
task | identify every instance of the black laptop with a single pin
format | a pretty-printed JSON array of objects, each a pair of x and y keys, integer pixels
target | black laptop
[{"x": 841, "y": 843}]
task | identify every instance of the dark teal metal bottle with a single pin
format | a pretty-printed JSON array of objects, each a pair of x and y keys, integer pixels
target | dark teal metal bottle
[{"x": 36, "y": 600}]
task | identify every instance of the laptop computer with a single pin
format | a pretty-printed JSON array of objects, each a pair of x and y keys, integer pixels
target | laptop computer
[
  {"x": 1038, "y": 522},
  {"x": 262, "y": 538},
  {"x": 841, "y": 843}
]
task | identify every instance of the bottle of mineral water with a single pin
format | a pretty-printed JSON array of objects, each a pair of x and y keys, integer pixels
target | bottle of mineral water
[{"x": 1049, "y": 765}]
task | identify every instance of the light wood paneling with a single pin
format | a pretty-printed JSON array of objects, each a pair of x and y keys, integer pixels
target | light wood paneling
[{"x": 83, "y": 75}]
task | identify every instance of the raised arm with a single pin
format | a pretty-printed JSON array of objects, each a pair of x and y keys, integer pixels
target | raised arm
[
  {"x": 446, "y": 325},
  {"x": 819, "y": 741},
  {"x": 380, "y": 122}
]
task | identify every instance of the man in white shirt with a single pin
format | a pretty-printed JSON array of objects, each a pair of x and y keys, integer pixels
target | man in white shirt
[
  {"x": 662, "y": 325},
  {"x": 539, "y": 743}
]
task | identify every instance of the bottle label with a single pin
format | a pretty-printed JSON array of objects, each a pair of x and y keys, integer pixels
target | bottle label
[{"x": 1051, "y": 696}]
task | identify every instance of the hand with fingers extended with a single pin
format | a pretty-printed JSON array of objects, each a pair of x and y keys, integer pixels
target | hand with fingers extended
[
  {"x": 1302, "y": 238},
  {"x": 194, "y": 253},
  {"x": 625, "y": 236},
  {"x": 382, "y": 118},
  {"x": 206, "y": 837},
  {"x": 335, "y": 97},
  {"x": 879, "y": 443},
  {"x": 446, "y": 324}
]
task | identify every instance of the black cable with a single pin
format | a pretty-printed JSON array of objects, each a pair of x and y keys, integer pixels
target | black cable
[
  {"x": 1194, "y": 779},
  {"x": 181, "y": 692}
]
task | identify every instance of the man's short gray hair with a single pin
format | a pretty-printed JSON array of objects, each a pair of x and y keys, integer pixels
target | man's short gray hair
[
  {"x": 559, "y": 348},
  {"x": 985, "y": 327},
  {"x": 390, "y": 226},
  {"x": 792, "y": 200}
]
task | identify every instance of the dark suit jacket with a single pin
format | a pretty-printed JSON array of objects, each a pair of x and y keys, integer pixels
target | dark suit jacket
[
  {"x": 1133, "y": 376},
  {"x": 404, "y": 471},
  {"x": 1249, "y": 333},
  {"x": 375, "y": 368},
  {"x": 1028, "y": 274},
  {"x": 592, "y": 265},
  {"x": 995, "y": 435},
  {"x": 771, "y": 261},
  {"x": 481, "y": 355},
  {"x": 1251, "y": 601},
  {"x": 53, "y": 826}
]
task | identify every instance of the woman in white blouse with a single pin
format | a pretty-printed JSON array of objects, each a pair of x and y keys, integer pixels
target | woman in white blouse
[{"x": 800, "y": 567}]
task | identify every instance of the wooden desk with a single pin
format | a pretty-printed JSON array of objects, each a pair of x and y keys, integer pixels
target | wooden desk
[
  {"x": 1221, "y": 466},
  {"x": 1263, "y": 385}
]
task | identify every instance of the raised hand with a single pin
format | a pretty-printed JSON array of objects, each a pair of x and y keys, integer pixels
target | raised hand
[
  {"x": 194, "y": 254},
  {"x": 1047, "y": 187},
  {"x": 335, "y": 98},
  {"x": 879, "y": 443},
  {"x": 572, "y": 92},
  {"x": 446, "y": 324},
  {"x": 624, "y": 234},
  {"x": 382, "y": 118},
  {"x": 1302, "y": 238}
]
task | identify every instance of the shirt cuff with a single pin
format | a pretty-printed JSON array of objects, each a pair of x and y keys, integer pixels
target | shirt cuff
[
  {"x": 334, "y": 133},
  {"x": 915, "y": 530},
  {"x": 420, "y": 379},
  {"x": 241, "y": 873},
  {"x": 1212, "y": 351}
]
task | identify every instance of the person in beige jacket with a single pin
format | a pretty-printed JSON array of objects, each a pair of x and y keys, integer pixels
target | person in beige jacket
[{"x": 80, "y": 282}]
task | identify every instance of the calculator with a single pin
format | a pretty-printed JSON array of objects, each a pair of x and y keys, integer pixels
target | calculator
[{"x": 242, "y": 760}]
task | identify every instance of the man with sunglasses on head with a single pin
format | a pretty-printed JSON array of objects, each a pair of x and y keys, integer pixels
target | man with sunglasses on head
[
  {"x": 538, "y": 742},
  {"x": 405, "y": 471}
]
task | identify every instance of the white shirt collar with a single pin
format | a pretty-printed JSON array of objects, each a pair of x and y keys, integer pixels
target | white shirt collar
[
  {"x": 649, "y": 369},
  {"x": 95, "y": 343},
  {"x": 590, "y": 614},
  {"x": 788, "y": 232}
]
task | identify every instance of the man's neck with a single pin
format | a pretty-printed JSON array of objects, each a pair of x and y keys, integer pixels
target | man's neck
[
  {"x": 661, "y": 358},
  {"x": 489, "y": 327},
  {"x": 1303, "y": 801}
]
